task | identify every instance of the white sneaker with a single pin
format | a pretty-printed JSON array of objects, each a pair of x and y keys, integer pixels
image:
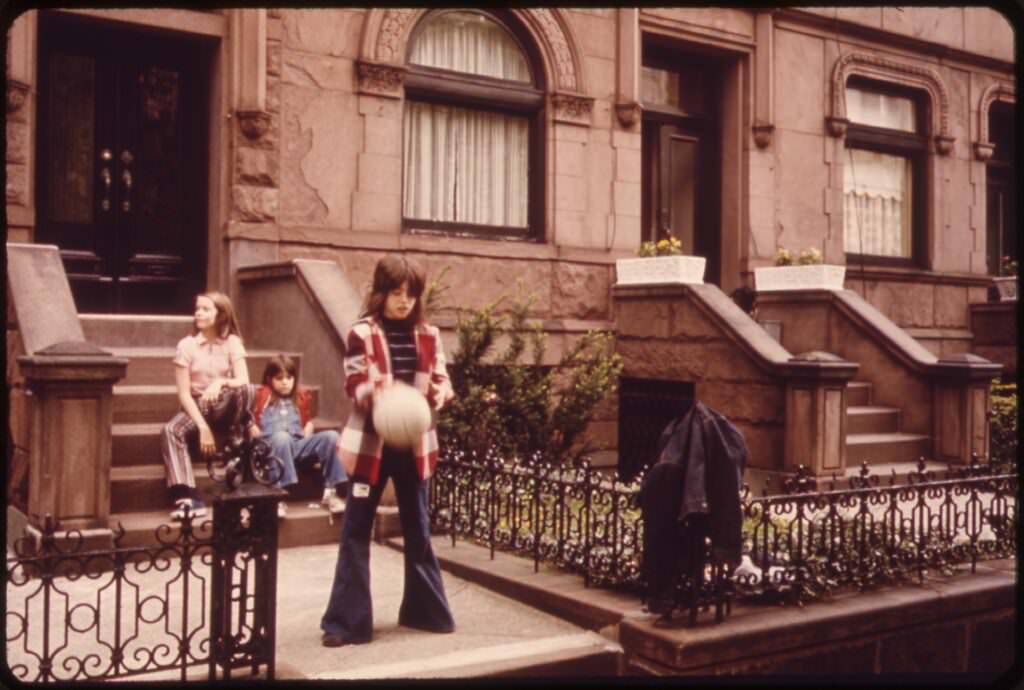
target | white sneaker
[
  {"x": 331, "y": 502},
  {"x": 282, "y": 510},
  {"x": 194, "y": 506}
]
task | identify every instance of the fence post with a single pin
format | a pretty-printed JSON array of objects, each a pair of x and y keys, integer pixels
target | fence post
[{"x": 243, "y": 623}]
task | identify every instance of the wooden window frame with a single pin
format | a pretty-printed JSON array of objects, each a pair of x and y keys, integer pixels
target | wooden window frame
[
  {"x": 912, "y": 146},
  {"x": 447, "y": 87}
]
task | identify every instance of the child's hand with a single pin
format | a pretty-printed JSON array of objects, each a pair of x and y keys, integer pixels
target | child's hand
[
  {"x": 307, "y": 430},
  {"x": 254, "y": 431},
  {"x": 212, "y": 391}
]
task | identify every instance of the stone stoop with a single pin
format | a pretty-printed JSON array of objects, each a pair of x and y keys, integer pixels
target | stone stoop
[
  {"x": 146, "y": 399},
  {"x": 873, "y": 433}
]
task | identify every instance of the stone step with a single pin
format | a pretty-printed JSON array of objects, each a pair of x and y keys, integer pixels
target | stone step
[
  {"x": 152, "y": 403},
  {"x": 134, "y": 330},
  {"x": 139, "y": 443},
  {"x": 872, "y": 419},
  {"x": 155, "y": 366},
  {"x": 304, "y": 526},
  {"x": 892, "y": 447},
  {"x": 858, "y": 393}
]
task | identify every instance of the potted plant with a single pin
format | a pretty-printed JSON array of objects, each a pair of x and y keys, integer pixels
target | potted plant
[
  {"x": 1004, "y": 287},
  {"x": 660, "y": 262},
  {"x": 807, "y": 272}
]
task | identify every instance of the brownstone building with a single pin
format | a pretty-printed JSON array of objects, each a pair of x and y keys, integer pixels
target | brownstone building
[{"x": 275, "y": 154}]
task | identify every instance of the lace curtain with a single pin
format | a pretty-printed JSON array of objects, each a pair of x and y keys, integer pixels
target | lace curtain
[
  {"x": 470, "y": 43},
  {"x": 876, "y": 203}
]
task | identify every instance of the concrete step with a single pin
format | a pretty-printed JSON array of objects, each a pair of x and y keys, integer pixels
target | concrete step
[
  {"x": 152, "y": 403},
  {"x": 891, "y": 447},
  {"x": 304, "y": 526},
  {"x": 155, "y": 366},
  {"x": 134, "y": 330},
  {"x": 858, "y": 393},
  {"x": 872, "y": 419},
  {"x": 138, "y": 443}
]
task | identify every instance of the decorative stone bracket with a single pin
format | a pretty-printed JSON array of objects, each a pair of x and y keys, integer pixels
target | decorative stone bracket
[
  {"x": 572, "y": 108},
  {"x": 380, "y": 79},
  {"x": 17, "y": 95},
  {"x": 253, "y": 124}
]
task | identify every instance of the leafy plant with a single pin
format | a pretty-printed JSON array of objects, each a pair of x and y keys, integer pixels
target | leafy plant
[
  {"x": 668, "y": 246},
  {"x": 1003, "y": 448},
  {"x": 1008, "y": 266},
  {"x": 808, "y": 257},
  {"x": 508, "y": 400}
]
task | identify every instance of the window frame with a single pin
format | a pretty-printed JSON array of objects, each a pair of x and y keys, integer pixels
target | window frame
[
  {"x": 913, "y": 146},
  {"x": 439, "y": 86}
]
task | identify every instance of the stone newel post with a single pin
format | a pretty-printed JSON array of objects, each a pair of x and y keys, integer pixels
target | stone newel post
[
  {"x": 960, "y": 392},
  {"x": 816, "y": 412},
  {"x": 71, "y": 412}
]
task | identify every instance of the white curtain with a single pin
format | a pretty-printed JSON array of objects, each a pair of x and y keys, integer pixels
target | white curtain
[
  {"x": 876, "y": 204},
  {"x": 880, "y": 109},
  {"x": 465, "y": 166},
  {"x": 471, "y": 43}
]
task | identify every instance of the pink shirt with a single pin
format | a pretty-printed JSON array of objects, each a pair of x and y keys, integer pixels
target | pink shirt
[{"x": 207, "y": 360}]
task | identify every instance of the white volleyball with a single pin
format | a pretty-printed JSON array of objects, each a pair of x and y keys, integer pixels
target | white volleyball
[{"x": 401, "y": 415}]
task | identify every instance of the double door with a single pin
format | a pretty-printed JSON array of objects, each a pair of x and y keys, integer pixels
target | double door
[{"x": 122, "y": 173}]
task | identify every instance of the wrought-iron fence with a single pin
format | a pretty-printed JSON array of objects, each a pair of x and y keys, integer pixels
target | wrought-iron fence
[
  {"x": 205, "y": 593},
  {"x": 797, "y": 544}
]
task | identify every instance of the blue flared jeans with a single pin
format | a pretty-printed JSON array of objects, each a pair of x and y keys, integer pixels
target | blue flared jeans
[{"x": 349, "y": 613}]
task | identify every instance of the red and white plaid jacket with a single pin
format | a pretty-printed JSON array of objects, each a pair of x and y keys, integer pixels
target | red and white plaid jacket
[{"x": 368, "y": 367}]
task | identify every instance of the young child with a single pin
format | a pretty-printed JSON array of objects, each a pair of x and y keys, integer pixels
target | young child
[
  {"x": 213, "y": 386},
  {"x": 389, "y": 343},
  {"x": 281, "y": 412}
]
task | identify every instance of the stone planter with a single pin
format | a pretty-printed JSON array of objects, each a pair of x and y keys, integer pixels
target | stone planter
[
  {"x": 812, "y": 277},
  {"x": 660, "y": 269},
  {"x": 1003, "y": 289}
]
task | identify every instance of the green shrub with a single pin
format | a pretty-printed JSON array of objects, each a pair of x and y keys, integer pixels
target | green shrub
[
  {"x": 1003, "y": 449},
  {"x": 508, "y": 400}
]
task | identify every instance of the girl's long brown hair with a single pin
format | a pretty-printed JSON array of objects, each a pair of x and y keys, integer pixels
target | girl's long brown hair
[
  {"x": 225, "y": 322},
  {"x": 279, "y": 364},
  {"x": 390, "y": 273}
]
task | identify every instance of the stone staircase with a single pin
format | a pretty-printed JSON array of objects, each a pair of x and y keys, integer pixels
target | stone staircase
[
  {"x": 145, "y": 400},
  {"x": 873, "y": 432}
]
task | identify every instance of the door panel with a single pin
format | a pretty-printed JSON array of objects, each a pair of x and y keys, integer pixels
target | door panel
[
  {"x": 122, "y": 151},
  {"x": 679, "y": 180}
]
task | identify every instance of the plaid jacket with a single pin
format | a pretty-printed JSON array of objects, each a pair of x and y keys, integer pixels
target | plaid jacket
[{"x": 368, "y": 368}]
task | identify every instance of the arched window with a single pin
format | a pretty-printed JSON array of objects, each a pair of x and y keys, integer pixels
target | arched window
[
  {"x": 472, "y": 139},
  {"x": 884, "y": 188}
]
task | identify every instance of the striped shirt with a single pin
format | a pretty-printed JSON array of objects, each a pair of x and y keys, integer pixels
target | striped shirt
[{"x": 402, "y": 348}]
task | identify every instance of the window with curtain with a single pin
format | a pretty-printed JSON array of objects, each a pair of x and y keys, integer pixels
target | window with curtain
[
  {"x": 471, "y": 129},
  {"x": 883, "y": 173}
]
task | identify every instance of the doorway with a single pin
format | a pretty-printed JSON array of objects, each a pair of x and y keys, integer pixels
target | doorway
[{"x": 122, "y": 149}]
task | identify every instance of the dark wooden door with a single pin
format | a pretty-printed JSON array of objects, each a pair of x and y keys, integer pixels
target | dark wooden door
[{"x": 122, "y": 164}]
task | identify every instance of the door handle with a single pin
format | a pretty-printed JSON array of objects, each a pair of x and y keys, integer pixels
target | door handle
[
  {"x": 107, "y": 180},
  {"x": 126, "y": 179}
]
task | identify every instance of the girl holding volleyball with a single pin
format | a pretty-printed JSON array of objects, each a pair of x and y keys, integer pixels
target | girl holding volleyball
[{"x": 390, "y": 345}]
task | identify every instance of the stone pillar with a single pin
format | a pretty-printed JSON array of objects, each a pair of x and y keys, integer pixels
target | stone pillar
[
  {"x": 816, "y": 412},
  {"x": 960, "y": 393},
  {"x": 71, "y": 410}
]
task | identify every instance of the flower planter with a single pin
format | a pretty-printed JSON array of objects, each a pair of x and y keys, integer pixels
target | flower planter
[
  {"x": 811, "y": 277},
  {"x": 652, "y": 270},
  {"x": 1003, "y": 289}
]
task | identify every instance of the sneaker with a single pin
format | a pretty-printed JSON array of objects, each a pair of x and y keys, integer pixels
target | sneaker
[
  {"x": 282, "y": 510},
  {"x": 331, "y": 502},
  {"x": 194, "y": 507}
]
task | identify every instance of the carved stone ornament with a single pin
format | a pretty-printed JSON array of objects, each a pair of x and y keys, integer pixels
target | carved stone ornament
[
  {"x": 628, "y": 112},
  {"x": 572, "y": 108},
  {"x": 983, "y": 150},
  {"x": 17, "y": 94},
  {"x": 380, "y": 80},
  {"x": 254, "y": 125},
  {"x": 837, "y": 126},
  {"x": 896, "y": 72},
  {"x": 763, "y": 135}
]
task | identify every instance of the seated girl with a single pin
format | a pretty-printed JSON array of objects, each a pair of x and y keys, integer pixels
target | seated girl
[{"x": 281, "y": 412}]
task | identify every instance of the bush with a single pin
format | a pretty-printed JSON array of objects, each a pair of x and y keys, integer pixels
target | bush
[
  {"x": 1003, "y": 449},
  {"x": 509, "y": 400}
]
